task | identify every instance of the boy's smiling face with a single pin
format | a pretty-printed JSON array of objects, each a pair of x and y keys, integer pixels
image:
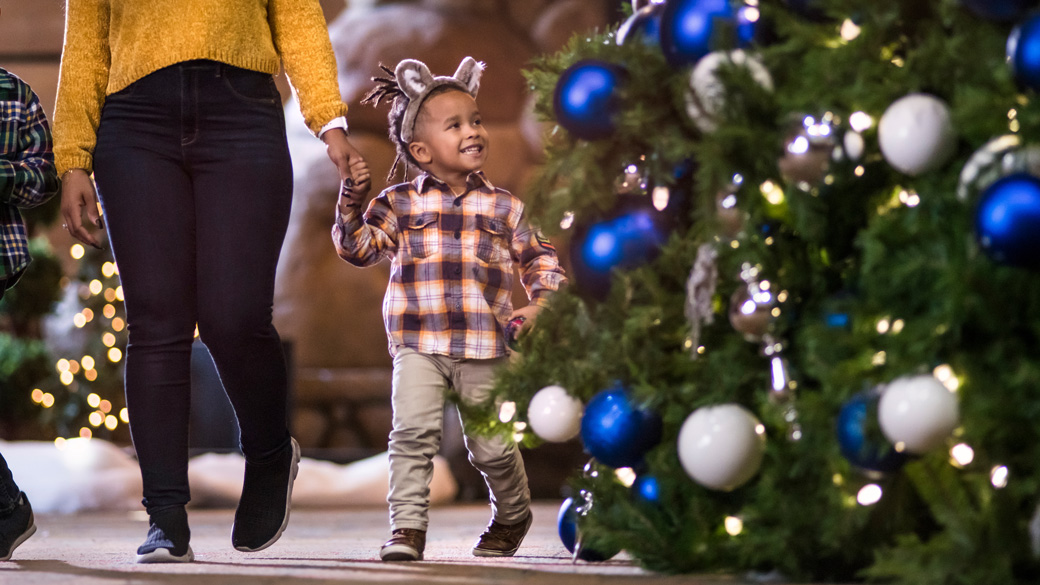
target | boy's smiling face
[{"x": 450, "y": 138}]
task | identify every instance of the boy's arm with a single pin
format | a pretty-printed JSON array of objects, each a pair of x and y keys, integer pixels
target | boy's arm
[
  {"x": 364, "y": 240},
  {"x": 540, "y": 270},
  {"x": 28, "y": 177}
]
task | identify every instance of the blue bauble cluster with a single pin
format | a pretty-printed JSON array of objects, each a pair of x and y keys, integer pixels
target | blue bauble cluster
[
  {"x": 628, "y": 236},
  {"x": 999, "y": 10},
  {"x": 690, "y": 29},
  {"x": 567, "y": 525},
  {"x": 861, "y": 449},
  {"x": 615, "y": 431},
  {"x": 1023, "y": 52},
  {"x": 586, "y": 98},
  {"x": 1007, "y": 220}
]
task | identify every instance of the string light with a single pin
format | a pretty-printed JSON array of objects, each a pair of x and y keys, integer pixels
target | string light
[
  {"x": 118, "y": 324},
  {"x": 507, "y": 411},
  {"x": 111, "y": 422},
  {"x": 961, "y": 455},
  {"x": 108, "y": 269},
  {"x": 626, "y": 475},
  {"x": 998, "y": 476},
  {"x": 114, "y": 355},
  {"x": 93, "y": 400},
  {"x": 76, "y": 251},
  {"x": 85, "y": 433},
  {"x": 96, "y": 287},
  {"x": 734, "y": 525},
  {"x": 124, "y": 415},
  {"x": 869, "y": 494},
  {"x": 108, "y": 339}
]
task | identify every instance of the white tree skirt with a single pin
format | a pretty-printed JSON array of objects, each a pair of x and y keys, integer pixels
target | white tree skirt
[{"x": 95, "y": 475}]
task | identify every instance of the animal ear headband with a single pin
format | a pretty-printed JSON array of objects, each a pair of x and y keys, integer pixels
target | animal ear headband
[{"x": 413, "y": 80}]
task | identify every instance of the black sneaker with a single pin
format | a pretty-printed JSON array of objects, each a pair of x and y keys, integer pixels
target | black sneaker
[
  {"x": 263, "y": 509},
  {"x": 406, "y": 544},
  {"x": 16, "y": 527},
  {"x": 168, "y": 536}
]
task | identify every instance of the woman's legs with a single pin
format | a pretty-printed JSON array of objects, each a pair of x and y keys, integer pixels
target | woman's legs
[{"x": 194, "y": 174}]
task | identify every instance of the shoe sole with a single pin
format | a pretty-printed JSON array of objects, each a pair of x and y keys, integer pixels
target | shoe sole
[
  {"x": 163, "y": 555},
  {"x": 288, "y": 502},
  {"x": 31, "y": 530},
  {"x": 399, "y": 553}
]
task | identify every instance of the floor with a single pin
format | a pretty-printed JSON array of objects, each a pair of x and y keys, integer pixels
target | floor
[{"x": 320, "y": 546}]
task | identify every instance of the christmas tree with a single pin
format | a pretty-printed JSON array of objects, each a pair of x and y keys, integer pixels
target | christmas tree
[
  {"x": 800, "y": 334},
  {"x": 68, "y": 383}
]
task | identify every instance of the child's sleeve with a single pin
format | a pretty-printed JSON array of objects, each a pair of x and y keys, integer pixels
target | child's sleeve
[
  {"x": 364, "y": 240},
  {"x": 540, "y": 270},
  {"x": 28, "y": 178}
]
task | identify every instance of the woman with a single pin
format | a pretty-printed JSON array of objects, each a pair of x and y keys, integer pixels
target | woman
[{"x": 172, "y": 107}]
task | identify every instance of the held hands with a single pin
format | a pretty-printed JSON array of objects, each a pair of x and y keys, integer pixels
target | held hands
[
  {"x": 354, "y": 190},
  {"x": 341, "y": 152},
  {"x": 78, "y": 195}
]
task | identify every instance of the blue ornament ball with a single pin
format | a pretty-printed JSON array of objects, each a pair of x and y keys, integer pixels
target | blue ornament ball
[
  {"x": 628, "y": 236},
  {"x": 1007, "y": 220},
  {"x": 857, "y": 444},
  {"x": 647, "y": 490},
  {"x": 615, "y": 431},
  {"x": 1023, "y": 52},
  {"x": 690, "y": 29},
  {"x": 587, "y": 98},
  {"x": 999, "y": 10},
  {"x": 567, "y": 525},
  {"x": 644, "y": 24}
]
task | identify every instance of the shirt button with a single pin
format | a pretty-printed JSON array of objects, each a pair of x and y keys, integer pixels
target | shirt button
[
  {"x": 458, "y": 306},
  {"x": 458, "y": 202},
  {"x": 458, "y": 234},
  {"x": 458, "y": 270}
]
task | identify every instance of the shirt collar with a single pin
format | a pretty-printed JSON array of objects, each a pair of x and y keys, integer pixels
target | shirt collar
[
  {"x": 475, "y": 180},
  {"x": 7, "y": 80}
]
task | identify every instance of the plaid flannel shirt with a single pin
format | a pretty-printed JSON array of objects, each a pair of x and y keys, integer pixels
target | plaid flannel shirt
[
  {"x": 452, "y": 259},
  {"x": 27, "y": 174}
]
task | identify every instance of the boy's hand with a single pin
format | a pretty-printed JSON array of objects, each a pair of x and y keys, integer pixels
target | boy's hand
[
  {"x": 362, "y": 183},
  {"x": 341, "y": 152},
  {"x": 78, "y": 195},
  {"x": 529, "y": 313}
]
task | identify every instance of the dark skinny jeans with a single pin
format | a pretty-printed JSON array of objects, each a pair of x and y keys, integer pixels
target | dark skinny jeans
[{"x": 194, "y": 177}]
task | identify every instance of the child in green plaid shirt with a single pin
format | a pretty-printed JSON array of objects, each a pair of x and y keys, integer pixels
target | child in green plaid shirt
[{"x": 27, "y": 178}]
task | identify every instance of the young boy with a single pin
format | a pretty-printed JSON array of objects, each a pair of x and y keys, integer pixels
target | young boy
[
  {"x": 27, "y": 179},
  {"x": 453, "y": 239}
]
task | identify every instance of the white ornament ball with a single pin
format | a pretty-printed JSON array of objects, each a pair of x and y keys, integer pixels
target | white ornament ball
[
  {"x": 919, "y": 412},
  {"x": 555, "y": 415},
  {"x": 916, "y": 134},
  {"x": 721, "y": 447},
  {"x": 706, "y": 96}
]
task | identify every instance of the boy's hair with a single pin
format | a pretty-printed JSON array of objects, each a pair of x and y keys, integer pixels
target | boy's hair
[{"x": 409, "y": 85}]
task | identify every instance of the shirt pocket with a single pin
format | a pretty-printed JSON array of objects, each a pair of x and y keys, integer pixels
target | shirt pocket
[
  {"x": 422, "y": 234},
  {"x": 492, "y": 239}
]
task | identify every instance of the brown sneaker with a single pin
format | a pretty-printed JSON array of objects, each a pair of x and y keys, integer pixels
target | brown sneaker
[
  {"x": 502, "y": 540},
  {"x": 406, "y": 544}
]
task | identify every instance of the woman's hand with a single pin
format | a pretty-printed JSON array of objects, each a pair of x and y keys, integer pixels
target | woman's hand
[
  {"x": 78, "y": 196},
  {"x": 341, "y": 152}
]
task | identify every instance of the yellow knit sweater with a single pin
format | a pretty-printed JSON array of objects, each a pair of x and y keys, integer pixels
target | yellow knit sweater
[{"x": 109, "y": 44}]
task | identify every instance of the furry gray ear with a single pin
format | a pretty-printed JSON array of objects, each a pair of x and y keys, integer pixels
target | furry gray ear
[
  {"x": 417, "y": 83},
  {"x": 468, "y": 74},
  {"x": 413, "y": 77}
]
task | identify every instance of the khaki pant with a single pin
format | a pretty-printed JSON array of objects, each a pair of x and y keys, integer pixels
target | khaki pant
[{"x": 419, "y": 386}]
